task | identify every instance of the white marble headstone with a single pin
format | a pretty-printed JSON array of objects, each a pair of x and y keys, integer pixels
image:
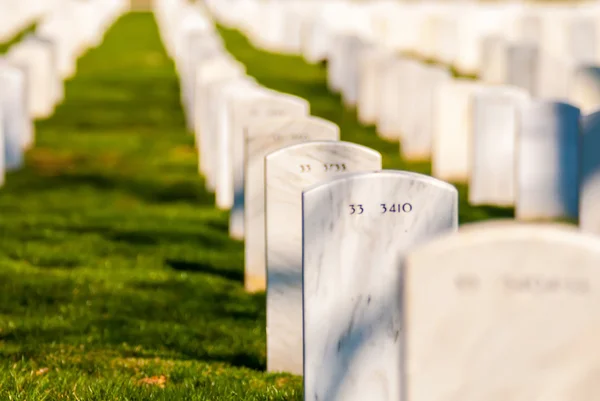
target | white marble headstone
[
  {"x": 225, "y": 141},
  {"x": 209, "y": 130},
  {"x": 589, "y": 205},
  {"x": 357, "y": 230},
  {"x": 370, "y": 83},
  {"x": 243, "y": 114},
  {"x": 494, "y": 60},
  {"x": 548, "y": 161},
  {"x": 209, "y": 73},
  {"x": 38, "y": 59},
  {"x": 417, "y": 109},
  {"x": 493, "y": 155},
  {"x": 16, "y": 120},
  {"x": 58, "y": 89},
  {"x": 260, "y": 140},
  {"x": 288, "y": 171},
  {"x": 503, "y": 311},
  {"x": 388, "y": 124},
  {"x": 452, "y": 130}
]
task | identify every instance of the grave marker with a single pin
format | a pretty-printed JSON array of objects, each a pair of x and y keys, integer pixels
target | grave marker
[
  {"x": 515, "y": 306},
  {"x": 370, "y": 83},
  {"x": 242, "y": 116},
  {"x": 493, "y": 156},
  {"x": 418, "y": 107},
  {"x": 37, "y": 57},
  {"x": 357, "y": 230},
  {"x": 452, "y": 130},
  {"x": 548, "y": 161},
  {"x": 260, "y": 140},
  {"x": 288, "y": 171}
]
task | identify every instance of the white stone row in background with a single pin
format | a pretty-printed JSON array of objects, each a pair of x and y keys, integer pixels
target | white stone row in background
[
  {"x": 539, "y": 67},
  {"x": 370, "y": 292},
  {"x": 33, "y": 70}
]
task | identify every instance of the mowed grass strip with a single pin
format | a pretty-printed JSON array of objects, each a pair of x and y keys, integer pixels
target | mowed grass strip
[
  {"x": 291, "y": 74},
  {"x": 118, "y": 280}
]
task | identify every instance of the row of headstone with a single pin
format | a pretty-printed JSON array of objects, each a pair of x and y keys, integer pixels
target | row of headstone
[
  {"x": 451, "y": 33},
  {"x": 478, "y": 132},
  {"x": 370, "y": 292},
  {"x": 31, "y": 79}
]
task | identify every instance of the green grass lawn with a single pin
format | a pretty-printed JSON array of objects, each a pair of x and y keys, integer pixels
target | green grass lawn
[
  {"x": 118, "y": 280},
  {"x": 115, "y": 267}
]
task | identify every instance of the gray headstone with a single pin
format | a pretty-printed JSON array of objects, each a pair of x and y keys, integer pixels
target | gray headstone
[
  {"x": 352, "y": 273},
  {"x": 548, "y": 161},
  {"x": 388, "y": 119},
  {"x": 352, "y": 47},
  {"x": 288, "y": 172},
  {"x": 503, "y": 311},
  {"x": 270, "y": 135},
  {"x": 452, "y": 127}
]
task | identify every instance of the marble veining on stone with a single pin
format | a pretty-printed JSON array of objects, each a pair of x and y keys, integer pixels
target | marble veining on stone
[
  {"x": 287, "y": 172},
  {"x": 352, "y": 261}
]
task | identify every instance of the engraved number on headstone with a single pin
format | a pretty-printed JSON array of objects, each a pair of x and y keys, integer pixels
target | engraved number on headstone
[
  {"x": 466, "y": 282},
  {"x": 545, "y": 285},
  {"x": 334, "y": 167},
  {"x": 396, "y": 208},
  {"x": 299, "y": 137},
  {"x": 356, "y": 209}
]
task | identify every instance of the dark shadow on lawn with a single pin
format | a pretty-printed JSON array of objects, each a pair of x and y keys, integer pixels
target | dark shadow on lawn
[
  {"x": 151, "y": 191},
  {"x": 206, "y": 268}
]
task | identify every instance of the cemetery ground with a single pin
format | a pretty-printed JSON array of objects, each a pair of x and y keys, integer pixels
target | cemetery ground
[{"x": 118, "y": 279}]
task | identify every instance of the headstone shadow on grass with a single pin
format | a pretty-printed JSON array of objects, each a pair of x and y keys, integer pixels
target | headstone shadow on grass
[{"x": 206, "y": 268}]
